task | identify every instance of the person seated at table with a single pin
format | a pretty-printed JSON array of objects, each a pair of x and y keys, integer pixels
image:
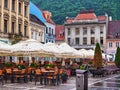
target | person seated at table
[
  {"x": 64, "y": 75},
  {"x": 24, "y": 63}
]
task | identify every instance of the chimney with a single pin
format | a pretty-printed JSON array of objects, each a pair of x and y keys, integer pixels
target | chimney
[{"x": 110, "y": 18}]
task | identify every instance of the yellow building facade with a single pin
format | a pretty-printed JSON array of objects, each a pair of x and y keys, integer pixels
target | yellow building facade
[{"x": 14, "y": 19}]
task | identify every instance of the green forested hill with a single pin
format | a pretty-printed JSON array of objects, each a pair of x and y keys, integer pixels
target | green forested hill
[{"x": 63, "y": 8}]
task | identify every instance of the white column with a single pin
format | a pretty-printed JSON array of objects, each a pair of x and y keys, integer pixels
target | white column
[
  {"x": 16, "y": 9},
  {"x": 88, "y": 36},
  {"x": 81, "y": 36},
  {"x": 66, "y": 34},
  {"x": 104, "y": 35},
  {"x": 9, "y": 21},
  {"x": 22, "y": 18},
  {"x": 97, "y": 34},
  {"x": 2, "y": 18},
  {"x": 72, "y": 36}
]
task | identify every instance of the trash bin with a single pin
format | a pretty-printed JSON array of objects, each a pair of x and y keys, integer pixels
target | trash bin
[{"x": 81, "y": 79}]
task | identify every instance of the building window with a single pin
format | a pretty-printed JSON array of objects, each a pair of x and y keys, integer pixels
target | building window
[
  {"x": 92, "y": 40},
  {"x": 19, "y": 8},
  {"x": 46, "y": 30},
  {"x": 77, "y": 31},
  {"x": 117, "y": 35},
  {"x": 92, "y": 30},
  {"x": 32, "y": 35},
  {"x": 13, "y": 5},
  {"x": 101, "y": 29},
  {"x": 46, "y": 40},
  {"x": 13, "y": 27},
  {"x": 117, "y": 44},
  {"x": 69, "y": 31},
  {"x": 49, "y": 30},
  {"x": 52, "y": 41},
  {"x": 25, "y": 11},
  {"x": 25, "y": 31},
  {"x": 77, "y": 41},
  {"x": 101, "y": 40},
  {"x": 36, "y": 35},
  {"x": 52, "y": 31},
  {"x": 85, "y": 41},
  {"x": 69, "y": 41},
  {"x": 5, "y": 26},
  {"x": 110, "y": 44},
  {"x": 84, "y": 30},
  {"x": 19, "y": 29},
  {"x": 5, "y": 3}
]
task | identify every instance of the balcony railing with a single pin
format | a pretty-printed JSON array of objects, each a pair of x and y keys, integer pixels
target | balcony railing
[
  {"x": 84, "y": 46},
  {"x": 11, "y": 35}
]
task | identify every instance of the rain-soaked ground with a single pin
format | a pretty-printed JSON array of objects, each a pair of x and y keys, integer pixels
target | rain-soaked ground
[{"x": 111, "y": 82}]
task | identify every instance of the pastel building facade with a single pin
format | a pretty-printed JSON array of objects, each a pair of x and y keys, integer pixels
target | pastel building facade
[
  {"x": 50, "y": 27},
  {"x": 37, "y": 26},
  {"x": 85, "y": 30},
  {"x": 14, "y": 19},
  {"x": 113, "y": 37},
  {"x": 60, "y": 34}
]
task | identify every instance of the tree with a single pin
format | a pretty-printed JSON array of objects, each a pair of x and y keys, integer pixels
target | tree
[
  {"x": 98, "y": 56},
  {"x": 117, "y": 57}
]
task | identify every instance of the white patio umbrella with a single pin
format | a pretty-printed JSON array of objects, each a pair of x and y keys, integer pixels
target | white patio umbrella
[
  {"x": 28, "y": 47},
  {"x": 67, "y": 51},
  {"x": 91, "y": 53},
  {"x": 52, "y": 48},
  {"x": 78, "y": 54},
  {"x": 84, "y": 52},
  {"x": 106, "y": 56},
  {"x": 5, "y": 49}
]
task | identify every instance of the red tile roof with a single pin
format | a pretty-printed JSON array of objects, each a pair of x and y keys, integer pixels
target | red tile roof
[
  {"x": 101, "y": 18},
  {"x": 113, "y": 29},
  {"x": 48, "y": 19},
  {"x": 69, "y": 20},
  {"x": 59, "y": 32},
  {"x": 86, "y": 15}
]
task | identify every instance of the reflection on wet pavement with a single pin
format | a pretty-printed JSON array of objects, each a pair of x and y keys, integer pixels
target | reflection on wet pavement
[{"x": 107, "y": 84}]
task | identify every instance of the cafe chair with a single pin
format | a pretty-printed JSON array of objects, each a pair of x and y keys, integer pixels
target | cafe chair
[
  {"x": 2, "y": 76},
  {"x": 38, "y": 74}
]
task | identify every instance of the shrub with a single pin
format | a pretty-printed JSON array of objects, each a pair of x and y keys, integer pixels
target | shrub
[
  {"x": 117, "y": 57},
  {"x": 98, "y": 56}
]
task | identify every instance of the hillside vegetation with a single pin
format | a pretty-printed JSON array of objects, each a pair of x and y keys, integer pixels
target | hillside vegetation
[{"x": 63, "y": 8}]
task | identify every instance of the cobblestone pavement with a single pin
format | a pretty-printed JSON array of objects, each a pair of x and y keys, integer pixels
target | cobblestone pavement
[{"x": 97, "y": 83}]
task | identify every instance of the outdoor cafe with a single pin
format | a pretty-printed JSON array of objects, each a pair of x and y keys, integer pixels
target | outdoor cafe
[{"x": 31, "y": 61}]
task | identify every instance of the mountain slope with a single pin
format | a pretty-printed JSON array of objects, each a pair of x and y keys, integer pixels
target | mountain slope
[{"x": 63, "y": 8}]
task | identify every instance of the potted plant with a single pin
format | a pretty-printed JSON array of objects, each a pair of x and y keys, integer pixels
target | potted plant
[
  {"x": 20, "y": 66},
  {"x": 82, "y": 67},
  {"x": 49, "y": 65},
  {"x": 33, "y": 65},
  {"x": 75, "y": 66},
  {"x": 8, "y": 65}
]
